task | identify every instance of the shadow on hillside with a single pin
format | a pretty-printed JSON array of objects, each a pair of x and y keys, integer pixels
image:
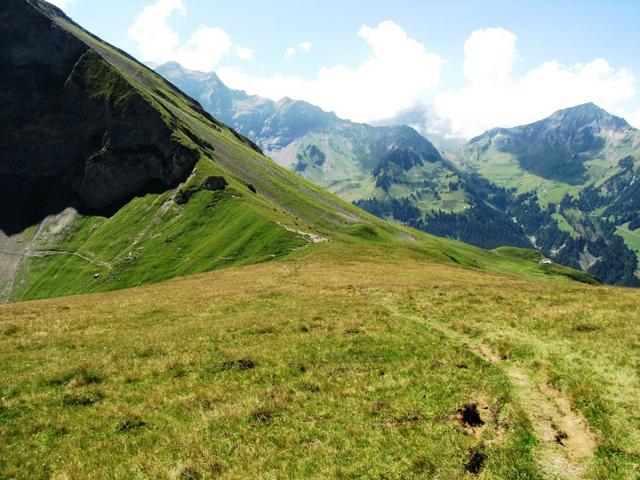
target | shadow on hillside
[{"x": 26, "y": 202}]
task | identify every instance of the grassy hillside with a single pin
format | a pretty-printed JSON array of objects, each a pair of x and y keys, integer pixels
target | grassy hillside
[
  {"x": 569, "y": 183},
  {"x": 337, "y": 362}
]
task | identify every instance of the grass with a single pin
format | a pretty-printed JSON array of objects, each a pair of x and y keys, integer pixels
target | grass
[
  {"x": 328, "y": 364},
  {"x": 564, "y": 225},
  {"x": 504, "y": 170},
  {"x": 631, "y": 237},
  {"x": 103, "y": 81}
]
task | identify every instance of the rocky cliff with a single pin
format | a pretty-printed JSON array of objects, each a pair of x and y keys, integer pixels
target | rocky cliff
[{"x": 75, "y": 132}]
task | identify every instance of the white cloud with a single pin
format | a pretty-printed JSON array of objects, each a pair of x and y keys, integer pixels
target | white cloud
[
  {"x": 303, "y": 47},
  {"x": 157, "y": 42},
  {"x": 492, "y": 96},
  {"x": 206, "y": 47},
  {"x": 633, "y": 118},
  {"x": 394, "y": 77},
  {"x": 154, "y": 37},
  {"x": 244, "y": 53}
]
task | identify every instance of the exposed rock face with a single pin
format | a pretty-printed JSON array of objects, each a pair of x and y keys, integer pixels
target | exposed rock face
[
  {"x": 74, "y": 130},
  {"x": 211, "y": 183},
  {"x": 215, "y": 183}
]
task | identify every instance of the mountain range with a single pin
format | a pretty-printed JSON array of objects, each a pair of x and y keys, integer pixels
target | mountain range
[
  {"x": 570, "y": 184},
  {"x": 353, "y": 160},
  {"x": 524, "y": 186}
]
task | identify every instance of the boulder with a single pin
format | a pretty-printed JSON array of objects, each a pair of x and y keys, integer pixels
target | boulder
[{"x": 215, "y": 183}]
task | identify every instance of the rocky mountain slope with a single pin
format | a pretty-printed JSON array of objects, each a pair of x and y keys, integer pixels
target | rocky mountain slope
[
  {"x": 111, "y": 177},
  {"x": 74, "y": 131}
]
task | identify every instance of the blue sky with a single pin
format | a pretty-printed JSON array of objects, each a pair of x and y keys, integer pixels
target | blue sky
[{"x": 525, "y": 59}]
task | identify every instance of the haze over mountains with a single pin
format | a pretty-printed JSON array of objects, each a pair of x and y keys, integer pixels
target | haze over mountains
[
  {"x": 521, "y": 186},
  {"x": 353, "y": 160}
]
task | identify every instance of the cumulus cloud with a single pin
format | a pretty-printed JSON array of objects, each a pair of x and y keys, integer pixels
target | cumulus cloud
[
  {"x": 244, "y": 53},
  {"x": 397, "y": 73},
  {"x": 633, "y": 118},
  {"x": 157, "y": 42},
  {"x": 493, "y": 97}
]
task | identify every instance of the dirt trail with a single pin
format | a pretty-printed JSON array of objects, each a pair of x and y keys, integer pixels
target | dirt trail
[
  {"x": 311, "y": 237},
  {"x": 13, "y": 251},
  {"x": 49, "y": 253},
  {"x": 566, "y": 444}
]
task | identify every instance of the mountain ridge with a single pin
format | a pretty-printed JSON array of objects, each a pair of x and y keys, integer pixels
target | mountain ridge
[
  {"x": 374, "y": 166},
  {"x": 185, "y": 223}
]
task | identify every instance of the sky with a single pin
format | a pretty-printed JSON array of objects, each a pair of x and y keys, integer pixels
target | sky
[{"x": 468, "y": 65}]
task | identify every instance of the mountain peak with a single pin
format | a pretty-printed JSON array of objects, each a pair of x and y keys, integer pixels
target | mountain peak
[
  {"x": 589, "y": 114},
  {"x": 176, "y": 70}
]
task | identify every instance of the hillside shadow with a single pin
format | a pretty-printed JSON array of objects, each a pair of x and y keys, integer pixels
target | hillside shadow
[
  {"x": 27, "y": 202},
  {"x": 562, "y": 168}
]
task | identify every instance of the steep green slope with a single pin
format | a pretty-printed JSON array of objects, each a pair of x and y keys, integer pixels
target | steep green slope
[{"x": 159, "y": 188}]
